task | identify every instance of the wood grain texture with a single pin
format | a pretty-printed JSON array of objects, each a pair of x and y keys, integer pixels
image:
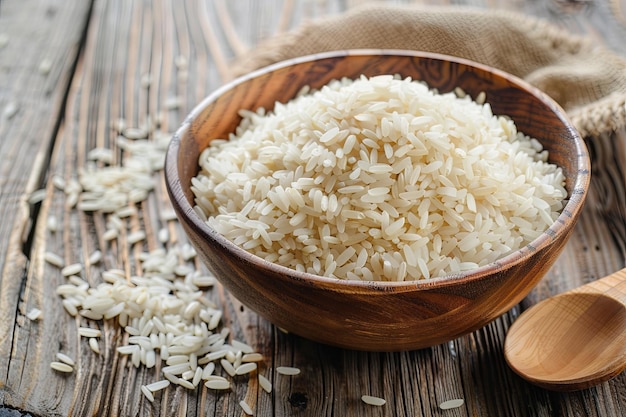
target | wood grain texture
[
  {"x": 572, "y": 341},
  {"x": 125, "y": 42},
  {"x": 36, "y": 64}
]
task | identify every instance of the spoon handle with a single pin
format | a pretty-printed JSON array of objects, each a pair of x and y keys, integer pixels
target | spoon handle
[{"x": 613, "y": 285}]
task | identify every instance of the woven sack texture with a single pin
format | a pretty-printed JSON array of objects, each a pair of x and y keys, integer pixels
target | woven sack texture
[{"x": 587, "y": 80}]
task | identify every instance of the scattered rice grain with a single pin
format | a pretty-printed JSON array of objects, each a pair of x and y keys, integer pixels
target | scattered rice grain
[
  {"x": 159, "y": 385},
  {"x": 371, "y": 400},
  {"x": 37, "y": 196},
  {"x": 72, "y": 269},
  {"x": 93, "y": 344},
  {"x": 243, "y": 347},
  {"x": 52, "y": 224},
  {"x": 61, "y": 367},
  {"x": 217, "y": 384},
  {"x": 172, "y": 103},
  {"x": 126, "y": 211},
  {"x": 252, "y": 357},
  {"x": 62, "y": 357},
  {"x": 10, "y": 110},
  {"x": 164, "y": 235},
  {"x": 449, "y": 404},
  {"x": 54, "y": 259},
  {"x": 95, "y": 257},
  {"x": 34, "y": 314},
  {"x": 265, "y": 384},
  {"x": 135, "y": 133},
  {"x": 89, "y": 332},
  {"x": 245, "y": 368},
  {"x": 288, "y": 370},
  {"x": 136, "y": 237},
  {"x": 110, "y": 234},
  {"x": 147, "y": 393},
  {"x": 246, "y": 408},
  {"x": 70, "y": 308},
  {"x": 228, "y": 367},
  {"x": 45, "y": 66}
]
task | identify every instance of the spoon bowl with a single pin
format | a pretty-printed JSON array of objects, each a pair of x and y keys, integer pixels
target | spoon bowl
[{"x": 574, "y": 340}]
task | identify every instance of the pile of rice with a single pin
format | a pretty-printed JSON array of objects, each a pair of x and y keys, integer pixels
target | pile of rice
[{"x": 378, "y": 178}]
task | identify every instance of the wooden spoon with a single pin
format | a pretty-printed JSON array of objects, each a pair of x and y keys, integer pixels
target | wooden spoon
[{"x": 574, "y": 340}]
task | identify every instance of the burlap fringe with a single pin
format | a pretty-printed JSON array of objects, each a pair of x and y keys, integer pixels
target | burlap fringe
[{"x": 593, "y": 110}]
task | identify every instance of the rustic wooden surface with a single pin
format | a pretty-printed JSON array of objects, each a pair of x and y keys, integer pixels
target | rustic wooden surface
[{"x": 70, "y": 69}]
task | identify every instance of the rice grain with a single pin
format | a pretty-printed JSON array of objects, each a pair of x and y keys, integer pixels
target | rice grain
[
  {"x": 147, "y": 393},
  {"x": 288, "y": 370},
  {"x": 93, "y": 344},
  {"x": 265, "y": 384},
  {"x": 34, "y": 314},
  {"x": 61, "y": 367},
  {"x": 89, "y": 332},
  {"x": 217, "y": 384},
  {"x": 246, "y": 408},
  {"x": 371, "y": 400},
  {"x": 62, "y": 357},
  {"x": 72, "y": 269},
  {"x": 245, "y": 368},
  {"x": 159, "y": 385},
  {"x": 449, "y": 404}
]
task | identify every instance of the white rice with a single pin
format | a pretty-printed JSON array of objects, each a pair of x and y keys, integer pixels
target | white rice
[
  {"x": 228, "y": 367},
  {"x": 246, "y": 408},
  {"x": 288, "y": 370},
  {"x": 52, "y": 224},
  {"x": 245, "y": 368},
  {"x": 45, "y": 66},
  {"x": 89, "y": 332},
  {"x": 136, "y": 237},
  {"x": 61, "y": 367},
  {"x": 62, "y": 357},
  {"x": 37, "y": 196},
  {"x": 166, "y": 317},
  {"x": 95, "y": 257},
  {"x": 110, "y": 234},
  {"x": 378, "y": 178},
  {"x": 217, "y": 384},
  {"x": 54, "y": 259},
  {"x": 93, "y": 345},
  {"x": 147, "y": 393},
  {"x": 34, "y": 314},
  {"x": 10, "y": 110},
  {"x": 265, "y": 384},
  {"x": 159, "y": 385},
  {"x": 449, "y": 404},
  {"x": 72, "y": 269},
  {"x": 371, "y": 400},
  {"x": 252, "y": 357}
]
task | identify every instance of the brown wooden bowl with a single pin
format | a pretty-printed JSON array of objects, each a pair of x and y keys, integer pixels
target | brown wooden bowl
[{"x": 377, "y": 316}]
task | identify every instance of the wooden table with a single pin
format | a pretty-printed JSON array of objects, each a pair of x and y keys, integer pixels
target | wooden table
[{"x": 71, "y": 69}]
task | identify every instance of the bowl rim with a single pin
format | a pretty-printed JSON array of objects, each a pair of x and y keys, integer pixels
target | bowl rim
[{"x": 573, "y": 206}]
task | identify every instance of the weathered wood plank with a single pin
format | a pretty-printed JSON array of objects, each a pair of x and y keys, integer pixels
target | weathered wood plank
[{"x": 36, "y": 64}]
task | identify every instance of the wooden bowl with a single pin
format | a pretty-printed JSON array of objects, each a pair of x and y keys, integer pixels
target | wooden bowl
[{"x": 377, "y": 316}]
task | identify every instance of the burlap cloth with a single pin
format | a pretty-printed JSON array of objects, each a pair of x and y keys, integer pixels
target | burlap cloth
[{"x": 587, "y": 80}]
